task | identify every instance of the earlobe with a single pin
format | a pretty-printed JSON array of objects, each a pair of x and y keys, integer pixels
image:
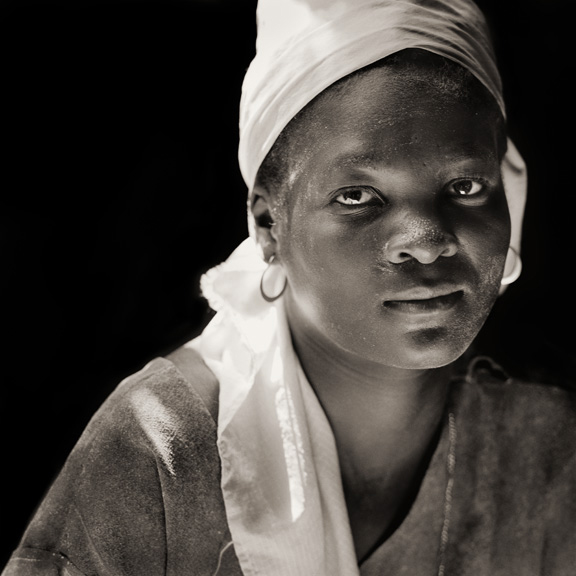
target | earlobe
[{"x": 263, "y": 222}]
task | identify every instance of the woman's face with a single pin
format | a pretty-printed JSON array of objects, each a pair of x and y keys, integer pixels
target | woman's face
[{"x": 396, "y": 228}]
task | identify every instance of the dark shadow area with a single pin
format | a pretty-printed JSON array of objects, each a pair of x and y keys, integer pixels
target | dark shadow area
[
  {"x": 121, "y": 186},
  {"x": 531, "y": 329}
]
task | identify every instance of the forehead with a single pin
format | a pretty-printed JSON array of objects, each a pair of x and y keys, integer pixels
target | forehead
[{"x": 381, "y": 116}]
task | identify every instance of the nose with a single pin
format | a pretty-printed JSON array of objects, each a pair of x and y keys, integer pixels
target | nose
[{"x": 420, "y": 239}]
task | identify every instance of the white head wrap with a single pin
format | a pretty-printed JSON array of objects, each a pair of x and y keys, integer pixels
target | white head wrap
[
  {"x": 304, "y": 46},
  {"x": 281, "y": 480}
]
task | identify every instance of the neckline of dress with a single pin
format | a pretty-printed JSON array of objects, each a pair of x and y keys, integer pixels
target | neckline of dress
[{"x": 434, "y": 502}]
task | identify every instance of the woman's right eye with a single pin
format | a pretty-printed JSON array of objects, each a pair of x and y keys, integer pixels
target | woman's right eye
[{"x": 356, "y": 196}]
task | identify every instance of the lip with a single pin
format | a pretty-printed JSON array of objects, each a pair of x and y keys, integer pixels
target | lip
[{"x": 424, "y": 301}]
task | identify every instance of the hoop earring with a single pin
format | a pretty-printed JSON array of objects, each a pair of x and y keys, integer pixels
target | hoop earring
[
  {"x": 516, "y": 270},
  {"x": 264, "y": 295}
]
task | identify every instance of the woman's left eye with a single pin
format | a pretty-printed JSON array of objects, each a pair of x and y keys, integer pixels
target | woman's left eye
[
  {"x": 355, "y": 196},
  {"x": 467, "y": 187}
]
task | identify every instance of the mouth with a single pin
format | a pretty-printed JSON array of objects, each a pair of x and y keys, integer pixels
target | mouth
[{"x": 421, "y": 305}]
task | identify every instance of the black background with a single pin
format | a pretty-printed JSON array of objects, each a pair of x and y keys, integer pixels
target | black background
[{"x": 120, "y": 186}]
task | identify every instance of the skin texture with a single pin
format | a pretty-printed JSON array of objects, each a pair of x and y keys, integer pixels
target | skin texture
[{"x": 393, "y": 236}]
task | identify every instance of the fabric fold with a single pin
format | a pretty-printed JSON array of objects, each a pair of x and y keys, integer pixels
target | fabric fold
[{"x": 280, "y": 474}]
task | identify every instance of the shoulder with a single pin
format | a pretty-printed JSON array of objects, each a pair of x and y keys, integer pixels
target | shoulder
[
  {"x": 180, "y": 381},
  {"x": 142, "y": 483},
  {"x": 155, "y": 419},
  {"x": 515, "y": 464},
  {"x": 520, "y": 425},
  {"x": 192, "y": 368},
  {"x": 161, "y": 407},
  {"x": 491, "y": 394}
]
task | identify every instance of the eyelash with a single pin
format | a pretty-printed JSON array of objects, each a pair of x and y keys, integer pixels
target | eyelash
[
  {"x": 480, "y": 181},
  {"x": 478, "y": 198},
  {"x": 377, "y": 199}
]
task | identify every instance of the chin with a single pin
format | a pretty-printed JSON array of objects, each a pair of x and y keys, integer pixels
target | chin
[{"x": 428, "y": 349}]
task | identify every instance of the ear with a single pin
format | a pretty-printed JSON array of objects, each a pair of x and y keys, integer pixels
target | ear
[{"x": 261, "y": 207}]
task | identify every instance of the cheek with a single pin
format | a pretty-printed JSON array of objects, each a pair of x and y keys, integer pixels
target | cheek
[
  {"x": 328, "y": 268},
  {"x": 488, "y": 251},
  {"x": 314, "y": 258},
  {"x": 485, "y": 237},
  {"x": 485, "y": 244}
]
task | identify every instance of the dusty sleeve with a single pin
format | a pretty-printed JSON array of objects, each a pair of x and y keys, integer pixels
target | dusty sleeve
[
  {"x": 104, "y": 513},
  {"x": 140, "y": 492}
]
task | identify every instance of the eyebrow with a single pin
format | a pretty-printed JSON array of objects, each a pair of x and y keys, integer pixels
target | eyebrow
[
  {"x": 367, "y": 160},
  {"x": 363, "y": 160}
]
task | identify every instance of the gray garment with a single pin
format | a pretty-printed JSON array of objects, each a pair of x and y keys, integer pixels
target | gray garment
[{"x": 140, "y": 493}]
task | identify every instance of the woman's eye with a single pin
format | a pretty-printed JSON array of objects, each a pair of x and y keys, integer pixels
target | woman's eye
[
  {"x": 467, "y": 187},
  {"x": 355, "y": 196}
]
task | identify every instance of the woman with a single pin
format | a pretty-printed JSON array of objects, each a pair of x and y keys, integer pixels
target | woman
[{"x": 329, "y": 420}]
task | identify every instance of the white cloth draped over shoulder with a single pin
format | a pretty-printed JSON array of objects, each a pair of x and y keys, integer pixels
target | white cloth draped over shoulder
[{"x": 280, "y": 476}]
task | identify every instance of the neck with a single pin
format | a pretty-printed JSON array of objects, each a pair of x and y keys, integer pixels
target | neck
[
  {"x": 385, "y": 422},
  {"x": 372, "y": 408}
]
